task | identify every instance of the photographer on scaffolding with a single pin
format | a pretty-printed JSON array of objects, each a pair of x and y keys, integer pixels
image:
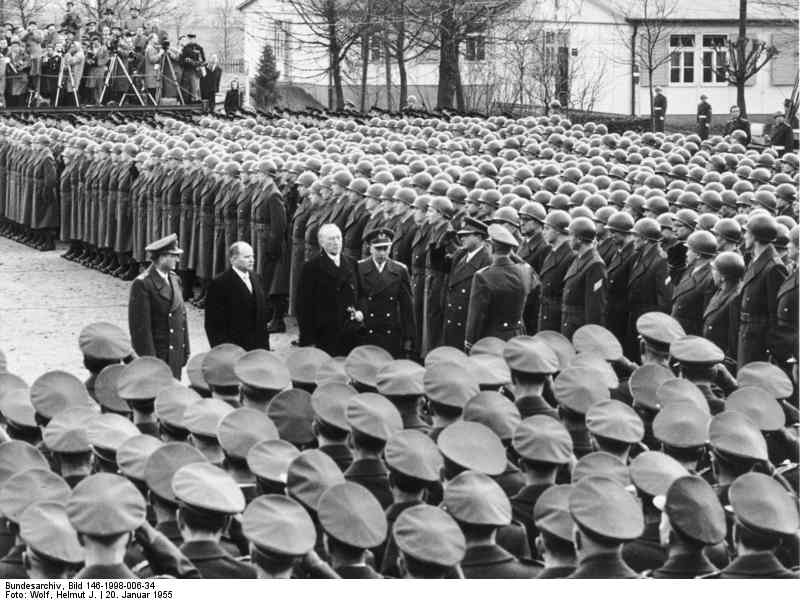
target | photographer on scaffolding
[
  {"x": 194, "y": 68},
  {"x": 153, "y": 57}
]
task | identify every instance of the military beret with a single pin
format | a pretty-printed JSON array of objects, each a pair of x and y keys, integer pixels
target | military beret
[
  {"x": 414, "y": 454},
  {"x": 329, "y": 402},
  {"x": 659, "y": 328},
  {"x": 559, "y": 344},
  {"x": 278, "y": 524},
  {"x": 551, "y": 512},
  {"x": 682, "y": 426},
  {"x": 310, "y": 474},
  {"x": 759, "y": 405},
  {"x": 735, "y": 434},
  {"x": 450, "y": 384},
  {"x": 695, "y": 350},
  {"x": 57, "y": 390},
  {"x": 68, "y": 431},
  {"x": 448, "y": 354},
  {"x": 194, "y": 371},
  {"x": 45, "y": 528},
  {"x": 475, "y": 498},
  {"x": 31, "y": 486},
  {"x": 162, "y": 464},
  {"x": 16, "y": 408},
  {"x": 291, "y": 412},
  {"x": 17, "y": 456},
  {"x": 332, "y": 371},
  {"x": 143, "y": 378},
  {"x": 600, "y": 463},
  {"x": 577, "y": 388},
  {"x": 495, "y": 411},
  {"x": 767, "y": 376},
  {"x": 202, "y": 417},
  {"x": 270, "y": 459},
  {"x": 218, "y": 365},
  {"x": 105, "y": 389},
  {"x": 761, "y": 503},
  {"x": 653, "y": 472},
  {"x": 166, "y": 245},
  {"x": 680, "y": 391},
  {"x": 489, "y": 345},
  {"x": 604, "y": 507},
  {"x": 401, "y": 377},
  {"x": 240, "y": 429},
  {"x": 102, "y": 340},
  {"x": 615, "y": 420},
  {"x": 364, "y": 362},
  {"x": 304, "y": 362},
  {"x": 430, "y": 535},
  {"x": 644, "y": 382},
  {"x": 694, "y": 510},
  {"x": 109, "y": 430},
  {"x": 207, "y": 487},
  {"x": 592, "y": 338},
  {"x": 172, "y": 402},
  {"x": 105, "y": 505},
  {"x": 133, "y": 453},
  {"x": 262, "y": 370},
  {"x": 473, "y": 446},
  {"x": 350, "y": 513},
  {"x": 542, "y": 438}
]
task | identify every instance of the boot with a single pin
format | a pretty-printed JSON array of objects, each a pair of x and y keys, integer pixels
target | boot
[
  {"x": 99, "y": 257},
  {"x": 91, "y": 255},
  {"x": 277, "y": 325},
  {"x": 71, "y": 252},
  {"x": 113, "y": 264},
  {"x": 131, "y": 273},
  {"x": 46, "y": 242},
  {"x": 105, "y": 262},
  {"x": 82, "y": 254}
]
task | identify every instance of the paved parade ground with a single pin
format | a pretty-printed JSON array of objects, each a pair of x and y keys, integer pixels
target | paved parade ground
[{"x": 45, "y": 301}]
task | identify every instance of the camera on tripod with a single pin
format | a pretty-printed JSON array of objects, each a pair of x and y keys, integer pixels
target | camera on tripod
[{"x": 165, "y": 44}]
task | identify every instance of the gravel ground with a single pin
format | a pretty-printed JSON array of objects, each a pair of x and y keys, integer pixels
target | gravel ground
[{"x": 45, "y": 301}]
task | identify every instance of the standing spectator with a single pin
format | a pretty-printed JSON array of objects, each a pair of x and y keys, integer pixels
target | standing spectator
[
  {"x": 703, "y": 117},
  {"x": 209, "y": 85},
  {"x": 51, "y": 62},
  {"x": 108, "y": 20},
  {"x": 173, "y": 72},
  {"x": 782, "y": 137},
  {"x": 233, "y": 100},
  {"x": 32, "y": 39},
  {"x": 72, "y": 19},
  {"x": 134, "y": 22},
  {"x": 4, "y": 60},
  {"x": 737, "y": 122},
  {"x": 787, "y": 109},
  {"x": 97, "y": 63},
  {"x": 76, "y": 59},
  {"x": 17, "y": 74},
  {"x": 193, "y": 59},
  {"x": 140, "y": 38},
  {"x": 50, "y": 34},
  {"x": 152, "y": 65},
  {"x": 659, "y": 109}
]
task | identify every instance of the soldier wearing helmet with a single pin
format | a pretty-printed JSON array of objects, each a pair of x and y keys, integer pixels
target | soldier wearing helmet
[
  {"x": 703, "y": 117},
  {"x": 554, "y": 267},
  {"x": 692, "y": 293},
  {"x": 404, "y": 226},
  {"x": 721, "y": 315},
  {"x": 584, "y": 297},
  {"x": 365, "y": 203},
  {"x": 441, "y": 245},
  {"x": 787, "y": 332},
  {"x": 739, "y": 124},
  {"x": 620, "y": 230},
  {"x": 533, "y": 248}
]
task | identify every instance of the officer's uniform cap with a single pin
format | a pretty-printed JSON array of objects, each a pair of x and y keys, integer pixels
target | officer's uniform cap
[
  {"x": 605, "y": 375},
  {"x": 45, "y": 528},
  {"x": 495, "y": 411},
  {"x": 132, "y": 455},
  {"x": 68, "y": 432},
  {"x": 767, "y": 376},
  {"x": 270, "y": 459},
  {"x": 450, "y": 384},
  {"x": 430, "y": 535},
  {"x": 682, "y": 425},
  {"x": 262, "y": 370},
  {"x": 172, "y": 402},
  {"x": 205, "y": 486},
  {"x": 380, "y": 237},
  {"x": 551, "y": 512},
  {"x": 332, "y": 371},
  {"x": 162, "y": 464},
  {"x": 278, "y": 524},
  {"x": 30, "y": 486},
  {"x": 350, "y": 513},
  {"x": 102, "y": 340},
  {"x": 559, "y": 344},
  {"x": 105, "y": 505},
  {"x": 659, "y": 328},
  {"x": 165, "y": 245},
  {"x": 735, "y": 434},
  {"x": 694, "y": 510},
  {"x": 759, "y": 405},
  {"x": 194, "y": 371},
  {"x": 604, "y": 507},
  {"x": 499, "y": 234},
  {"x": 108, "y": 431},
  {"x": 203, "y": 417},
  {"x": 374, "y": 415},
  {"x": 329, "y": 402},
  {"x": 475, "y": 498},
  {"x": 596, "y": 339},
  {"x": 474, "y": 447},
  {"x": 240, "y": 429},
  {"x": 218, "y": 365},
  {"x": 600, "y": 463},
  {"x": 364, "y": 362},
  {"x": 17, "y": 456},
  {"x": 401, "y": 377},
  {"x": 292, "y": 414},
  {"x": 470, "y": 225},
  {"x": 761, "y": 503},
  {"x": 695, "y": 350},
  {"x": 644, "y": 382},
  {"x": 653, "y": 472},
  {"x": 143, "y": 378},
  {"x": 55, "y": 391},
  {"x": 304, "y": 362},
  {"x": 577, "y": 388},
  {"x": 680, "y": 391},
  {"x": 414, "y": 454},
  {"x": 615, "y": 420},
  {"x": 310, "y": 474},
  {"x": 16, "y": 408},
  {"x": 543, "y": 438},
  {"x": 106, "y": 389},
  {"x": 488, "y": 345}
]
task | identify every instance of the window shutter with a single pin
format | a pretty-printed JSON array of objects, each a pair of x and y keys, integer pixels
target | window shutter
[{"x": 783, "y": 67}]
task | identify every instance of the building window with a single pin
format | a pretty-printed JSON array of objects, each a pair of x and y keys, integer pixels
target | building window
[
  {"x": 682, "y": 65},
  {"x": 715, "y": 57},
  {"x": 475, "y": 47},
  {"x": 555, "y": 42}
]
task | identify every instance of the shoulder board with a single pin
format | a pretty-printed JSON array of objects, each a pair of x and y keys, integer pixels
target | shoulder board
[
  {"x": 363, "y": 261},
  {"x": 482, "y": 269},
  {"x": 142, "y": 275},
  {"x": 398, "y": 264}
]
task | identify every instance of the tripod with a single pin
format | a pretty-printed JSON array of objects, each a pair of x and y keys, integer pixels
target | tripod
[
  {"x": 65, "y": 67},
  {"x": 174, "y": 78},
  {"x": 117, "y": 60}
]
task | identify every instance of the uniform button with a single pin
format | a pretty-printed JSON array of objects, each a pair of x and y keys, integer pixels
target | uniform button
[
  {"x": 372, "y": 315},
  {"x": 370, "y": 331},
  {"x": 171, "y": 331},
  {"x": 388, "y": 315},
  {"x": 459, "y": 323},
  {"x": 170, "y": 347},
  {"x": 463, "y": 291},
  {"x": 461, "y": 307},
  {"x": 505, "y": 324}
]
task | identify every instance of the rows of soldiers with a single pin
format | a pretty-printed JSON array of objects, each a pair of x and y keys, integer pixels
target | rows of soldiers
[
  {"x": 609, "y": 226},
  {"x": 536, "y": 457}
]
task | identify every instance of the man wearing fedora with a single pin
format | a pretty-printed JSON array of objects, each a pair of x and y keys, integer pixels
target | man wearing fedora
[{"x": 156, "y": 313}]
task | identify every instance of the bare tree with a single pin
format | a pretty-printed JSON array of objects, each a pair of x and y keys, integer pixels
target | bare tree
[
  {"x": 228, "y": 22},
  {"x": 24, "y": 10},
  {"x": 148, "y": 9}
]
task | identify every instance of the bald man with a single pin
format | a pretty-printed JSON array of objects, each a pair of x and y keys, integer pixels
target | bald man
[{"x": 236, "y": 303}]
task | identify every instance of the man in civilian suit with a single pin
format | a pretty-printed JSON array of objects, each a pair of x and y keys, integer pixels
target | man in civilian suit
[{"x": 236, "y": 304}]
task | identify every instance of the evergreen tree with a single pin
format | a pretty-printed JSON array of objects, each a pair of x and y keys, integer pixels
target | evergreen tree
[{"x": 264, "y": 89}]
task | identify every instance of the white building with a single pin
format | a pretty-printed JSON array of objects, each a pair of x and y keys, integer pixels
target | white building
[{"x": 581, "y": 49}]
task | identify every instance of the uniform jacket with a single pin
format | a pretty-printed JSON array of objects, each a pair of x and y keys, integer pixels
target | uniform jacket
[
  {"x": 756, "y": 565},
  {"x": 556, "y": 572},
  {"x": 157, "y": 319},
  {"x": 353, "y": 230},
  {"x": 603, "y": 565},
  {"x": 554, "y": 268},
  {"x": 457, "y": 291},
  {"x": 385, "y": 299},
  {"x": 649, "y": 285},
  {"x": 340, "y": 453},
  {"x": 492, "y": 561},
  {"x": 607, "y": 248},
  {"x": 404, "y": 234},
  {"x": 11, "y": 565},
  {"x": 690, "y": 297},
  {"x": 236, "y": 315},
  {"x": 646, "y": 552},
  {"x": 357, "y": 572},
  {"x": 106, "y": 572},
  {"x": 534, "y": 405},
  {"x": 522, "y": 509},
  {"x": 533, "y": 251},
  {"x": 688, "y": 565},
  {"x": 372, "y": 475},
  {"x": 584, "y": 296},
  {"x": 786, "y": 333},
  {"x": 497, "y": 299},
  {"x": 390, "y": 552},
  {"x": 660, "y": 105},
  {"x": 214, "y": 562},
  {"x": 721, "y": 320}
]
